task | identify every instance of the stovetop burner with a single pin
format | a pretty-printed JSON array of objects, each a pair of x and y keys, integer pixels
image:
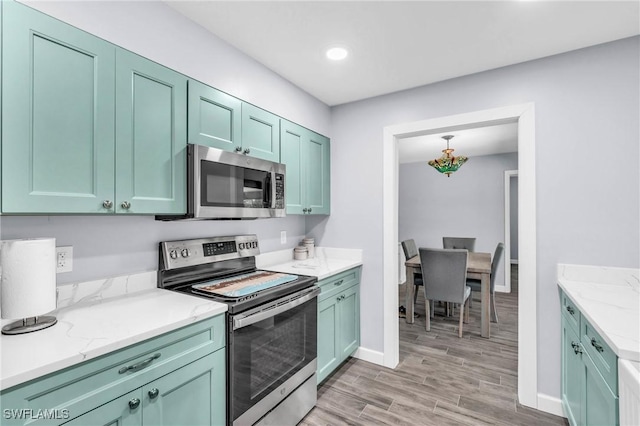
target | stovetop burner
[{"x": 245, "y": 284}]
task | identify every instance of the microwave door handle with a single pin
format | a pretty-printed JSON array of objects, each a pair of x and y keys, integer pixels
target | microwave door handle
[{"x": 273, "y": 189}]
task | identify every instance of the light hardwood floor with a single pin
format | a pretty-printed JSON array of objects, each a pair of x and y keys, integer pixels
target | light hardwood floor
[{"x": 440, "y": 380}]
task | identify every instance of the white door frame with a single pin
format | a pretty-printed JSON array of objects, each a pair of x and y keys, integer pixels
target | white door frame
[
  {"x": 527, "y": 328},
  {"x": 506, "y": 287}
]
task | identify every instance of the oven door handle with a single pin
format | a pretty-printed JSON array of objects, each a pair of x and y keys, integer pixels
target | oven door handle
[
  {"x": 241, "y": 321},
  {"x": 273, "y": 189}
]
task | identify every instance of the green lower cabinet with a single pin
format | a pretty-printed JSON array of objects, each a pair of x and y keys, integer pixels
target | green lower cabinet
[
  {"x": 572, "y": 374},
  {"x": 338, "y": 320},
  {"x": 587, "y": 397},
  {"x": 123, "y": 411},
  {"x": 177, "y": 378}
]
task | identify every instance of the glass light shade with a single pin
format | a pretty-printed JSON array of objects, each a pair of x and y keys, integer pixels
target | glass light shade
[{"x": 448, "y": 164}]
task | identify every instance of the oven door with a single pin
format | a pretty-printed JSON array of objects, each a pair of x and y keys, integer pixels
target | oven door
[
  {"x": 272, "y": 350},
  {"x": 230, "y": 185}
]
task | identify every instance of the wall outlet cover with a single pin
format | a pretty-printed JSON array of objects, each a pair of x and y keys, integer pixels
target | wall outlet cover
[{"x": 64, "y": 259}]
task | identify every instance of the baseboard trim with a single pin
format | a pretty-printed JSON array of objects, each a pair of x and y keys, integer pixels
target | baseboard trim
[
  {"x": 550, "y": 404},
  {"x": 369, "y": 355}
]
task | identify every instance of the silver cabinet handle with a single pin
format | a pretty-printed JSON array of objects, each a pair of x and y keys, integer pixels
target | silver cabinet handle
[
  {"x": 107, "y": 204},
  {"x": 337, "y": 283},
  {"x": 125, "y": 205},
  {"x": 596, "y": 345},
  {"x": 238, "y": 148},
  {"x": 309, "y": 209},
  {"x": 304, "y": 210},
  {"x": 576, "y": 348},
  {"x": 570, "y": 310},
  {"x": 246, "y": 151},
  {"x": 153, "y": 393},
  {"x": 134, "y": 403},
  {"x": 139, "y": 366}
]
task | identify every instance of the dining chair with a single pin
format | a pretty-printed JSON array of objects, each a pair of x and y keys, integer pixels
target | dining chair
[
  {"x": 444, "y": 274},
  {"x": 459, "y": 243},
  {"x": 476, "y": 284},
  {"x": 410, "y": 250}
]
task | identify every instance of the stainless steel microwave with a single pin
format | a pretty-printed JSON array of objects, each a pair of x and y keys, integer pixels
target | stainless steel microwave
[{"x": 228, "y": 185}]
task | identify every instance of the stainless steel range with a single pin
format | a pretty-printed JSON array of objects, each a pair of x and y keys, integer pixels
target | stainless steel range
[{"x": 271, "y": 327}]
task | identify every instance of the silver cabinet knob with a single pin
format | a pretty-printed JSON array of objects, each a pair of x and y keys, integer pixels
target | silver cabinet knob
[
  {"x": 238, "y": 148},
  {"x": 134, "y": 403},
  {"x": 304, "y": 210},
  {"x": 125, "y": 205},
  {"x": 107, "y": 204},
  {"x": 309, "y": 209},
  {"x": 246, "y": 151},
  {"x": 153, "y": 393}
]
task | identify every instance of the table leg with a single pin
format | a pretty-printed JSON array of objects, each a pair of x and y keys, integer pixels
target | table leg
[
  {"x": 486, "y": 305},
  {"x": 409, "y": 295}
]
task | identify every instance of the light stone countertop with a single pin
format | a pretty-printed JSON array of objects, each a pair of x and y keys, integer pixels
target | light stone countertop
[
  {"x": 327, "y": 262},
  {"x": 96, "y": 318},
  {"x": 609, "y": 298}
]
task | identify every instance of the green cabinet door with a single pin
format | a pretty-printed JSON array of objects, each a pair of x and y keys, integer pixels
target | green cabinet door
[
  {"x": 600, "y": 405},
  {"x": 307, "y": 157},
  {"x": 57, "y": 116},
  {"x": 572, "y": 374},
  {"x": 328, "y": 346},
  {"x": 318, "y": 170},
  {"x": 349, "y": 321},
  {"x": 192, "y": 395},
  {"x": 123, "y": 411},
  {"x": 150, "y": 137},
  {"x": 214, "y": 118},
  {"x": 260, "y": 133},
  {"x": 293, "y": 155}
]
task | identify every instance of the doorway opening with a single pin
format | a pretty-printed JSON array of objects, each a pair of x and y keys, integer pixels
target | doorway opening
[{"x": 524, "y": 116}]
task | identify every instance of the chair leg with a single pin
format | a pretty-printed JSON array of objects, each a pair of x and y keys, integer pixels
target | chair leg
[
  {"x": 466, "y": 314},
  {"x": 415, "y": 294},
  {"x": 494, "y": 313},
  {"x": 460, "y": 328},
  {"x": 428, "y": 314},
  {"x": 471, "y": 299},
  {"x": 433, "y": 307}
]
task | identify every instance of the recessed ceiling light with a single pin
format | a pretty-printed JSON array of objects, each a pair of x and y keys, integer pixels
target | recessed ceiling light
[{"x": 337, "y": 53}]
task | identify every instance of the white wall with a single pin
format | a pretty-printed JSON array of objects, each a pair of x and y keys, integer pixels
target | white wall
[
  {"x": 587, "y": 176},
  {"x": 469, "y": 203},
  {"x": 115, "y": 245}
]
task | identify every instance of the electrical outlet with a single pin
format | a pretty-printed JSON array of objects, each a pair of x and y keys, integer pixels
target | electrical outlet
[
  {"x": 64, "y": 259},
  {"x": 283, "y": 237}
]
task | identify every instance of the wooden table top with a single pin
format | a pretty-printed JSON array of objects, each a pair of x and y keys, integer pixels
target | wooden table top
[{"x": 477, "y": 262}]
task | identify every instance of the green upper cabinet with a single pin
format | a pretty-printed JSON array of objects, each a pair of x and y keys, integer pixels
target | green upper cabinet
[
  {"x": 58, "y": 116},
  {"x": 150, "y": 137},
  {"x": 307, "y": 157},
  {"x": 87, "y": 127},
  {"x": 214, "y": 118},
  {"x": 260, "y": 133}
]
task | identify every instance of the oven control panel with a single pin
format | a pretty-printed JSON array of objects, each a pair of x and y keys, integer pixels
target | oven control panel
[{"x": 178, "y": 254}]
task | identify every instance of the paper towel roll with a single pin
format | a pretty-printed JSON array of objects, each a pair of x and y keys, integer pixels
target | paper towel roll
[{"x": 28, "y": 281}]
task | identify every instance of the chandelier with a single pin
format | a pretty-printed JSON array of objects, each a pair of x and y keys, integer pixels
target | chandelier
[{"x": 448, "y": 164}]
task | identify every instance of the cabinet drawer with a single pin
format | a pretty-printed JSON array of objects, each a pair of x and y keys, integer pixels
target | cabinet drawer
[
  {"x": 570, "y": 311},
  {"x": 95, "y": 382},
  {"x": 601, "y": 354},
  {"x": 337, "y": 283}
]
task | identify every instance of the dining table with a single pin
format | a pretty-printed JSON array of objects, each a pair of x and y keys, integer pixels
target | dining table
[{"x": 478, "y": 268}]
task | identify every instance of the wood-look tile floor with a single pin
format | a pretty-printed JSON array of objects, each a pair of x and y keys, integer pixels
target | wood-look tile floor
[{"x": 440, "y": 380}]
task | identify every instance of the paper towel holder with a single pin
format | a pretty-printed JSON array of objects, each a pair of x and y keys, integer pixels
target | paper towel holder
[
  {"x": 27, "y": 325},
  {"x": 28, "y": 284}
]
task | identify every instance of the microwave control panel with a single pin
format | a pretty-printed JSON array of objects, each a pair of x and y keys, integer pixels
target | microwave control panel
[{"x": 280, "y": 191}]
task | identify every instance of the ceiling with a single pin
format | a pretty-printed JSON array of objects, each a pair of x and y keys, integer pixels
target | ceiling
[
  {"x": 488, "y": 140},
  {"x": 396, "y": 45}
]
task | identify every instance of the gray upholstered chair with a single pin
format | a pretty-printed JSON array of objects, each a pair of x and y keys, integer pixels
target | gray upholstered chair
[
  {"x": 459, "y": 243},
  {"x": 410, "y": 250},
  {"x": 444, "y": 273},
  {"x": 476, "y": 284}
]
